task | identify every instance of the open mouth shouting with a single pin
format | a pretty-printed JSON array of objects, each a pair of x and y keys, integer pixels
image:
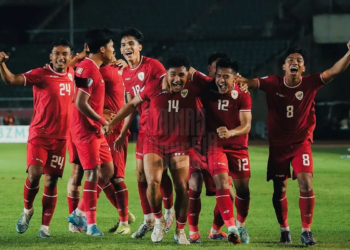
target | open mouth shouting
[
  {"x": 222, "y": 87},
  {"x": 176, "y": 86},
  {"x": 294, "y": 69}
]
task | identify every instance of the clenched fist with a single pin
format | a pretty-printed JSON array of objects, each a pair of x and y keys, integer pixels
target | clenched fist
[
  {"x": 224, "y": 133},
  {"x": 3, "y": 57}
]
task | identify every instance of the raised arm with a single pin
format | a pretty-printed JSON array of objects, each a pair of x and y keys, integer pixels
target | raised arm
[
  {"x": 338, "y": 67},
  {"x": 6, "y": 75},
  {"x": 84, "y": 107},
  {"x": 250, "y": 83},
  {"x": 243, "y": 129}
]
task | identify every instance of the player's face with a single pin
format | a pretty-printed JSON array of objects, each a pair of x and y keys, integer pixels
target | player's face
[
  {"x": 224, "y": 79},
  {"x": 130, "y": 48},
  {"x": 108, "y": 52},
  {"x": 212, "y": 69},
  {"x": 60, "y": 57},
  {"x": 177, "y": 78},
  {"x": 294, "y": 65}
]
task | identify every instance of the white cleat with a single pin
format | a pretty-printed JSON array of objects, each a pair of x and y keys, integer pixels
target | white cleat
[
  {"x": 180, "y": 237},
  {"x": 169, "y": 218},
  {"x": 158, "y": 231},
  {"x": 143, "y": 229},
  {"x": 73, "y": 228}
]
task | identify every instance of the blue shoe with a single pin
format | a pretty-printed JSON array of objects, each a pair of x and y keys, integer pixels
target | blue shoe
[
  {"x": 23, "y": 223},
  {"x": 94, "y": 231},
  {"x": 195, "y": 238},
  {"x": 79, "y": 221},
  {"x": 233, "y": 236},
  {"x": 243, "y": 233},
  {"x": 286, "y": 237},
  {"x": 307, "y": 238},
  {"x": 219, "y": 236}
]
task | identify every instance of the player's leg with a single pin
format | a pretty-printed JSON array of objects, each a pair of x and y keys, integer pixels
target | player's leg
[
  {"x": 154, "y": 167},
  {"x": 278, "y": 170},
  {"x": 166, "y": 187},
  {"x": 303, "y": 170},
  {"x": 223, "y": 199},
  {"x": 49, "y": 201},
  {"x": 73, "y": 192},
  {"x": 195, "y": 184},
  {"x": 179, "y": 168}
]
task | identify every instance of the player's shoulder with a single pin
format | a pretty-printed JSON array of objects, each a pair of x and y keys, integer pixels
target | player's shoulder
[
  {"x": 312, "y": 77},
  {"x": 87, "y": 67}
]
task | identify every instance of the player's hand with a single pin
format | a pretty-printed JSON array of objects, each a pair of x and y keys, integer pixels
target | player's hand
[
  {"x": 242, "y": 86},
  {"x": 119, "y": 143},
  {"x": 80, "y": 56},
  {"x": 120, "y": 63},
  {"x": 3, "y": 57},
  {"x": 224, "y": 133},
  {"x": 348, "y": 45}
]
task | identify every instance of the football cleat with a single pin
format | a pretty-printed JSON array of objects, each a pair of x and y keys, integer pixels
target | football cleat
[
  {"x": 23, "y": 223},
  {"x": 180, "y": 237},
  {"x": 143, "y": 229},
  {"x": 195, "y": 238},
  {"x": 131, "y": 219},
  {"x": 94, "y": 231},
  {"x": 233, "y": 236},
  {"x": 123, "y": 229},
  {"x": 307, "y": 238},
  {"x": 73, "y": 228},
  {"x": 243, "y": 233},
  {"x": 158, "y": 231},
  {"x": 79, "y": 221},
  {"x": 169, "y": 218},
  {"x": 44, "y": 233},
  {"x": 218, "y": 236},
  {"x": 286, "y": 237}
]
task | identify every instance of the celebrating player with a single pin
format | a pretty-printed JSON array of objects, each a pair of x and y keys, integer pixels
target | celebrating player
[
  {"x": 228, "y": 112},
  {"x": 213, "y": 58},
  {"x": 92, "y": 148},
  {"x": 140, "y": 71},
  {"x": 46, "y": 150},
  {"x": 290, "y": 124}
]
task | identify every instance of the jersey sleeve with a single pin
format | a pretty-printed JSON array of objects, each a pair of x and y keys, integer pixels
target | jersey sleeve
[
  {"x": 200, "y": 79},
  {"x": 33, "y": 77},
  {"x": 158, "y": 69},
  {"x": 107, "y": 73},
  {"x": 267, "y": 83},
  {"x": 84, "y": 83},
  {"x": 245, "y": 102},
  {"x": 315, "y": 80}
]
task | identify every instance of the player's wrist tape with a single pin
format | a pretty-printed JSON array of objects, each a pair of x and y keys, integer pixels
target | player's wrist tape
[{"x": 101, "y": 121}]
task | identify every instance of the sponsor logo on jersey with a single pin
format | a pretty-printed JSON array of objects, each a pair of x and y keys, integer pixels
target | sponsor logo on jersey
[
  {"x": 70, "y": 76},
  {"x": 299, "y": 95},
  {"x": 184, "y": 93},
  {"x": 79, "y": 70},
  {"x": 53, "y": 76},
  {"x": 141, "y": 76},
  {"x": 280, "y": 95},
  {"x": 234, "y": 94}
]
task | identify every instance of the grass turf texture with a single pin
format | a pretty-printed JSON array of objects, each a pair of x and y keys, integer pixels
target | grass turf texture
[{"x": 331, "y": 226}]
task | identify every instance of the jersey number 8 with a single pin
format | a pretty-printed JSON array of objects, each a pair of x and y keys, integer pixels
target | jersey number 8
[{"x": 290, "y": 111}]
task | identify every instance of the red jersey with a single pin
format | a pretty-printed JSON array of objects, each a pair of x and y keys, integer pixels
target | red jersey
[
  {"x": 114, "y": 91},
  {"x": 291, "y": 110},
  {"x": 83, "y": 128},
  {"x": 52, "y": 97},
  {"x": 135, "y": 79},
  {"x": 172, "y": 116},
  {"x": 223, "y": 110}
]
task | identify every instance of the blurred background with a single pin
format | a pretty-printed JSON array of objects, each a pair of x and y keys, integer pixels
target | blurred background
[{"x": 253, "y": 32}]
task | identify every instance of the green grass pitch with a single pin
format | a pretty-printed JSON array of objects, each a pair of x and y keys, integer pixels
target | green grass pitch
[{"x": 331, "y": 225}]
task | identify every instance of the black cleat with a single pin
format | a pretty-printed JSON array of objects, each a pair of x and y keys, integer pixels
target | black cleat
[
  {"x": 286, "y": 237},
  {"x": 307, "y": 238}
]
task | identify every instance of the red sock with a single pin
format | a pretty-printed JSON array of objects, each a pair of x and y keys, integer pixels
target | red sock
[
  {"x": 146, "y": 208},
  {"x": 181, "y": 222},
  {"x": 242, "y": 206},
  {"x": 72, "y": 203},
  {"x": 122, "y": 196},
  {"x": 90, "y": 201},
  {"x": 166, "y": 188},
  {"x": 306, "y": 205},
  {"x": 218, "y": 222},
  {"x": 29, "y": 193},
  {"x": 49, "y": 201},
  {"x": 280, "y": 203},
  {"x": 100, "y": 186},
  {"x": 110, "y": 194},
  {"x": 157, "y": 211},
  {"x": 81, "y": 203},
  {"x": 225, "y": 204},
  {"x": 194, "y": 210}
]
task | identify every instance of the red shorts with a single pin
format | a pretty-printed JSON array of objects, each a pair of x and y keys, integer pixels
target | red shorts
[
  {"x": 119, "y": 158},
  {"x": 234, "y": 162},
  {"x": 139, "y": 145},
  {"x": 47, "y": 153},
  {"x": 281, "y": 157},
  {"x": 198, "y": 165},
  {"x": 73, "y": 152},
  {"x": 164, "y": 152},
  {"x": 94, "y": 153}
]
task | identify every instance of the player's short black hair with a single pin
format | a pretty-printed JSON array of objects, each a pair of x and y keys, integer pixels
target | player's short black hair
[
  {"x": 178, "y": 61},
  {"x": 130, "y": 31},
  {"x": 96, "y": 38},
  {"x": 227, "y": 63},
  {"x": 61, "y": 42},
  {"x": 215, "y": 56},
  {"x": 294, "y": 50}
]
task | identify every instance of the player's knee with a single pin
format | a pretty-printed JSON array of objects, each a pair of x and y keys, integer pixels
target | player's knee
[
  {"x": 51, "y": 182},
  {"x": 180, "y": 186},
  {"x": 243, "y": 192},
  {"x": 195, "y": 182},
  {"x": 140, "y": 174},
  {"x": 154, "y": 185}
]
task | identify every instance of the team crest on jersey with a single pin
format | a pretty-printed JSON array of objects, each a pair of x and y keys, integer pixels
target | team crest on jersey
[
  {"x": 70, "y": 76},
  {"x": 184, "y": 93},
  {"x": 141, "y": 76},
  {"x": 234, "y": 94},
  {"x": 299, "y": 95}
]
